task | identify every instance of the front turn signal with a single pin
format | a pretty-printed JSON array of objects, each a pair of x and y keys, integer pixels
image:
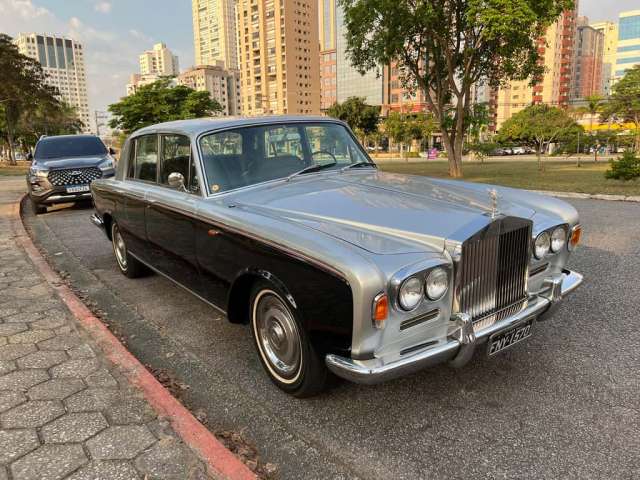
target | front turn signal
[
  {"x": 380, "y": 310},
  {"x": 576, "y": 236}
]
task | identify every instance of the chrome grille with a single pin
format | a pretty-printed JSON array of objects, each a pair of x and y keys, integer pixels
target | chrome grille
[
  {"x": 493, "y": 271},
  {"x": 74, "y": 176}
]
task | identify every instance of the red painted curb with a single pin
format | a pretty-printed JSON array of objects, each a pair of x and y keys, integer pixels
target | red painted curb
[{"x": 217, "y": 457}]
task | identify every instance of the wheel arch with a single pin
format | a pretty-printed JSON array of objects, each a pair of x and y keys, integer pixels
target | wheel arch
[{"x": 107, "y": 220}]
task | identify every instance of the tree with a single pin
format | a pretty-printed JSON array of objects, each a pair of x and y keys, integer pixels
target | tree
[
  {"x": 160, "y": 102},
  {"x": 478, "y": 121},
  {"x": 443, "y": 47},
  {"x": 624, "y": 102},
  {"x": 395, "y": 126},
  {"x": 594, "y": 106},
  {"x": 49, "y": 118},
  {"x": 362, "y": 118},
  {"x": 22, "y": 89},
  {"x": 539, "y": 126}
]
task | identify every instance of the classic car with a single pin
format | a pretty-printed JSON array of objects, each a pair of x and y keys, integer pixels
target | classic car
[
  {"x": 285, "y": 224},
  {"x": 63, "y": 167}
]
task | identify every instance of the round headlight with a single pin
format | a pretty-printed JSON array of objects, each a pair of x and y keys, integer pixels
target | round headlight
[
  {"x": 437, "y": 283},
  {"x": 542, "y": 245},
  {"x": 558, "y": 239},
  {"x": 410, "y": 293}
]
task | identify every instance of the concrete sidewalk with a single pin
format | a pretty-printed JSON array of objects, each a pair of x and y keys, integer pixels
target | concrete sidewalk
[{"x": 66, "y": 412}]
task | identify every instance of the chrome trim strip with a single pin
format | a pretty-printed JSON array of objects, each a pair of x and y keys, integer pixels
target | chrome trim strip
[
  {"x": 97, "y": 221},
  {"x": 224, "y": 312},
  {"x": 419, "y": 320},
  {"x": 69, "y": 198}
]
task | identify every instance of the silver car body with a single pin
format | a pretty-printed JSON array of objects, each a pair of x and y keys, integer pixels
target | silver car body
[{"x": 373, "y": 229}]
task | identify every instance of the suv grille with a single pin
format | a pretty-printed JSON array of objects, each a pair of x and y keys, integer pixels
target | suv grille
[
  {"x": 491, "y": 279},
  {"x": 74, "y": 176}
]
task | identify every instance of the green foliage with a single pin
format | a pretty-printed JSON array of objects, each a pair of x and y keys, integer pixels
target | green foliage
[
  {"x": 160, "y": 102},
  {"x": 625, "y": 168},
  {"x": 624, "y": 102},
  {"x": 443, "y": 47},
  {"x": 538, "y": 126},
  {"x": 403, "y": 128},
  {"x": 478, "y": 121},
  {"x": 23, "y": 93},
  {"x": 362, "y": 118}
]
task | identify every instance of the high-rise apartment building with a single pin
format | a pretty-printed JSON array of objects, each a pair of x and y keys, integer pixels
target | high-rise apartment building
[
  {"x": 223, "y": 85},
  {"x": 214, "y": 32},
  {"x": 554, "y": 87},
  {"x": 609, "y": 31},
  {"x": 278, "y": 54},
  {"x": 628, "y": 51},
  {"x": 159, "y": 61},
  {"x": 396, "y": 97},
  {"x": 349, "y": 81},
  {"x": 328, "y": 55},
  {"x": 588, "y": 58},
  {"x": 62, "y": 59}
]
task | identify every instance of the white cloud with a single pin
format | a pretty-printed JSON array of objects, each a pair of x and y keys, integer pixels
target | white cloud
[
  {"x": 102, "y": 7},
  {"x": 23, "y": 9}
]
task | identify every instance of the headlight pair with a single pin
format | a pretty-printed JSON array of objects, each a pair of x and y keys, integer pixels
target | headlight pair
[
  {"x": 550, "y": 241},
  {"x": 413, "y": 289}
]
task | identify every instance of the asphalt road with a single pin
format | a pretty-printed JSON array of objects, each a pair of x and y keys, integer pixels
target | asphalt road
[{"x": 565, "y": 404}]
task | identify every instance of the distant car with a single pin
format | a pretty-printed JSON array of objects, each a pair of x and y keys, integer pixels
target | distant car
[
  {"x": 519, "y": 151},
  {"x": 64, "y": 166},
  {"x": 498, "y": 152},
  {"x": 286, "y": 224}
]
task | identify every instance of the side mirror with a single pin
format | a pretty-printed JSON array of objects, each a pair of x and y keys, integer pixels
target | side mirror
[
  {"x": 30, "y": 157},
  {"x": 111, "y": 151},
  {"x": 176, "y": 180}
]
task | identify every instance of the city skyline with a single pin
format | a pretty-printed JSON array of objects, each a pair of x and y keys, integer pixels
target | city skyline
[{"x": 114, "y": 35}]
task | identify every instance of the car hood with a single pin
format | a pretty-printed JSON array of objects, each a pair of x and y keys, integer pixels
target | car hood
[
  {"x": 381, "y": 212},
  {"x": 71, "y": 162}
]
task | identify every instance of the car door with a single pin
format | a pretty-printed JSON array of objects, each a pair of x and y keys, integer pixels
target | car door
[
  {"x": 170, "y": 212},
  {"x": 141, "y": 175}
]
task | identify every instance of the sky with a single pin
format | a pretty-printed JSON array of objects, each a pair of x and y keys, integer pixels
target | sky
[{"x": 115, "y": 32}]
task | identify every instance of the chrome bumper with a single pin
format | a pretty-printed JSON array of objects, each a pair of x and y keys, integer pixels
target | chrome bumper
[{"x": 460, "y": 344}]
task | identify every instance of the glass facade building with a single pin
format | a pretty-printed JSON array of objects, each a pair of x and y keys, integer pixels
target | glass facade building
[{"x": 628, "y": 51}]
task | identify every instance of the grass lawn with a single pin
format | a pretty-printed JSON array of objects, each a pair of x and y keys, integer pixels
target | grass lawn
[
  {"x": 558, "y": 176},
  {"x": 6, "y": 170}
]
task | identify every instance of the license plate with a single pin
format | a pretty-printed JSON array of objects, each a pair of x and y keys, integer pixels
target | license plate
[
  {"x": 507, "y": 338},
  {"x": 78, "y": 189}
]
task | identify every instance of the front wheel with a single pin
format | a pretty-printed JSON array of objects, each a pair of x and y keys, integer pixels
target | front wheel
[
  {"x": 129, "y": 266},
  {"x": 37, "y": 207},
  {"x": 283, "y": 345}
]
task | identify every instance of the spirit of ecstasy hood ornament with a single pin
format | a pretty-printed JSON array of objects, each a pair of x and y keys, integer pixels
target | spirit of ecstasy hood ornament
[{"x": 494, "y": 196}]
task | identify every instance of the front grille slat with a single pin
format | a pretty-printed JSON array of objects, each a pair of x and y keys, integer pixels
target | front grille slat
[
  {"x": 493, "y": 271},
  {"x": 74, "y": 176}
]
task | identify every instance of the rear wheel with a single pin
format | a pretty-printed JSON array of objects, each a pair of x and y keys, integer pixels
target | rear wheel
[
  {"x": 128, "y": 265},
  {"x": 283, "y": 345}
]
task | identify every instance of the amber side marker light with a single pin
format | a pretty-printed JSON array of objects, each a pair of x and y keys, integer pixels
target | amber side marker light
[
  {"x": 576, "y": 236},
  {"x": 380, "y": 310}
]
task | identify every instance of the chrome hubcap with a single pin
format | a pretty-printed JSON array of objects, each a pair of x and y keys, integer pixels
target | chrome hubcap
[
  {"x": 119, "y": 248},
  {"x": 278, "y": 335}
]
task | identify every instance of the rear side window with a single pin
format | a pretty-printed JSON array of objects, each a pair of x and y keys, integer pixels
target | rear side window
[{"x": 146, "y": 158}]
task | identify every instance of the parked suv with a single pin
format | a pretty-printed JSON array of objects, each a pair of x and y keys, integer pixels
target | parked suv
[{"x": 63, "y": 167}]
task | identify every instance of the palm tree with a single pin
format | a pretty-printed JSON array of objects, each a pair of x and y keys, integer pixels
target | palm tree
[{"x": 593, "y": 107}]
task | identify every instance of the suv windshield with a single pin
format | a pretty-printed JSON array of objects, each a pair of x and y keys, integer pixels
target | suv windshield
[
  {"x": 64, "y": 147},
  {"x": 246, "y": 156}
]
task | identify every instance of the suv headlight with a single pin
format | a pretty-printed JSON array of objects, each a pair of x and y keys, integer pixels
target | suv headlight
[
  {"x": 106, "y": 165},
  {"x": 437, "y": 283},
  {"x": 410, "y": 293},
  {"x": 542, "y": 245}
]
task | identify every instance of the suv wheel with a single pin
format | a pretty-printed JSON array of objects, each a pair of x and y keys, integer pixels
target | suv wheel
[
  {"x": 283, "y": 345},
  {"x": 128, "y": 265},
  {"x": 38, "y": 208}
]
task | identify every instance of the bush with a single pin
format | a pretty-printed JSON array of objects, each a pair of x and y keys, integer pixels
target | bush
[{"x": 625, "y": 168}]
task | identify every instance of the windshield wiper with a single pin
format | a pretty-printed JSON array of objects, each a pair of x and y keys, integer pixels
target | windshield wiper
[
  {"x": 358, "y": 165},
  {"x": 311, "y": 169}
]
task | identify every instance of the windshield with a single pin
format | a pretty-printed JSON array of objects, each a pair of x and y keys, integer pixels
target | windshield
[
  {"x": 246, "y": 156},
  {"x": 64, "y": 147}
]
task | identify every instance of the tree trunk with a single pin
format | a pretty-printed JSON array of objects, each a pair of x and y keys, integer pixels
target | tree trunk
[
  {"x": 454, "y": 157},
  {"x": 12, "y": 157},
  {"x": 539, "y": 155}
]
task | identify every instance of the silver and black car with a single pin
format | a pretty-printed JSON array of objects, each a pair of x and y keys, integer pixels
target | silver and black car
[
  {"x": 63, "y": 167},
  {"x": 285, "y": 224}
]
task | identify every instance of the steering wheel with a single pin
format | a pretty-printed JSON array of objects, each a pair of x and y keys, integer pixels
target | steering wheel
[{"x": 335, "y": 160}]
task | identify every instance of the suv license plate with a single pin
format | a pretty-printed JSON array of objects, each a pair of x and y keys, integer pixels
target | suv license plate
[
  {"x": 507, "y": 338},
  {"x": 78, "y": 189}
]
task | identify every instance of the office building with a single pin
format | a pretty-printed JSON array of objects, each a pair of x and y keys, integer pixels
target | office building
[
  {"x": 223, "y": 85},
  {"x": 137, "y": 80},
  {"x": 62, "y": 60},
  {"x": 628, "y": 48},
  {"x": 328, "y": 55},
  {"x": 279, "y": 56},
  {"x": 396, "y": 97},
  {"x": 554, "y": 87},
  {"x": 159, "y": 61},
  {"x": 609, "y": 31},
  {"x": 214, "y": 32},
  {"x": 587, "y": 61}
]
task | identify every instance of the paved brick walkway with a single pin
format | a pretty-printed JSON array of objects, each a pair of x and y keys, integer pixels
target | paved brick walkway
[{"x": 65, "y": 411}]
